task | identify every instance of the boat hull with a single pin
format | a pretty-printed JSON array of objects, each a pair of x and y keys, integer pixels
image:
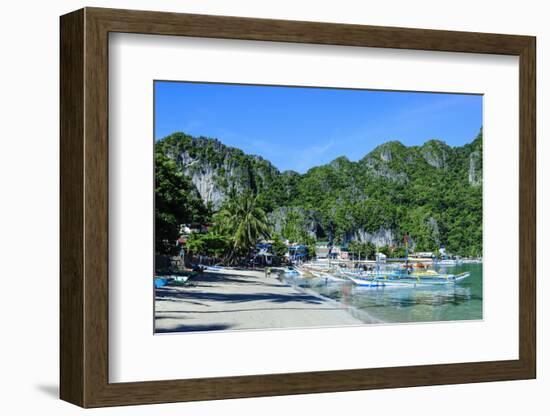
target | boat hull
[{"x": 409, "y": 281}]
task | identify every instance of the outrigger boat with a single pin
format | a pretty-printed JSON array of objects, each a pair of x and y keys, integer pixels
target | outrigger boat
[
  {"x": 369, "y": 274},
  {"x": 328, "y": 278},
  {"x": 292, "y": 271},
  {"x": 405, "y": 276},
  {"x": 428, "y": 278}
]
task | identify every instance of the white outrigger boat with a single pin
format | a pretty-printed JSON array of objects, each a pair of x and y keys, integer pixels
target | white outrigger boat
[
  {"x": 292, "y": 271},
  {"x": 370, "y": 274},
  {"x": 329, "y": 278},
  {"x": 427, "y": 278}
]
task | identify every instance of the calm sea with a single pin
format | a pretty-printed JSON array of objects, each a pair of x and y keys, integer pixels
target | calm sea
[{"x": 458, "y": 302}]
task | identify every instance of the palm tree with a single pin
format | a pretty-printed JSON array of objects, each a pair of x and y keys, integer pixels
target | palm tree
[{"x": 244, "y": 221}]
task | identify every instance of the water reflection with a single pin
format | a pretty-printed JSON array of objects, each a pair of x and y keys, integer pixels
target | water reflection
[{"x": 407, "y": 304}]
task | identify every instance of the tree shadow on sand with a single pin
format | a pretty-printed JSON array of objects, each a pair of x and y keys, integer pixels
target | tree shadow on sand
[
  {"x": 162, "y": 294},
  {"x": 176, "y": 312},
  {"x": 219, "y": 278},
  {"x": 193, "y": 328}
]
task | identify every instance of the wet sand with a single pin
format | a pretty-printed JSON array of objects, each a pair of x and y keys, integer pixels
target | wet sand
[{"x": 244, "y": 299}]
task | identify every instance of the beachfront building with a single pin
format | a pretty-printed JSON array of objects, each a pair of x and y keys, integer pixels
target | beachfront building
[
  {"x": 326, "y": 250},
  {"x": 188, "y": 229},
  {"x": 322, "y": 250},
  {"x": 381, "y": 257},
  {"x": 297, "y": 253},
  {"x": 263, "y": 255}
]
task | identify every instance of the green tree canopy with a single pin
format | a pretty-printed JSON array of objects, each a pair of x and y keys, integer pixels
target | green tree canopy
[
  {"x": 243, "y": 221},
  {"x": 176, "y": 202}
]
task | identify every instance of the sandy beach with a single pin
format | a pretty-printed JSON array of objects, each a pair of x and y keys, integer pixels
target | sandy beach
[{"x": 244, "y": 299}]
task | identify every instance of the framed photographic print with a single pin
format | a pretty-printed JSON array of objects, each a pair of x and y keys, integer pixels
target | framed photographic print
[{"x": 354, "y": 204}]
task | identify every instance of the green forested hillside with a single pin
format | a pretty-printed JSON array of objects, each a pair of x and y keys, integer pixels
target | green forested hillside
[{"x": 432, "y": 192}]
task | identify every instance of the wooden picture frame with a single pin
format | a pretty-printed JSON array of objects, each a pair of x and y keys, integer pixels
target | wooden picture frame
[{"x": 84, "y": 207}]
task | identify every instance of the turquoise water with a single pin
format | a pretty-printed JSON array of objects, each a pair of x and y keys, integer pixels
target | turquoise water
[{"x": 463, "y": 301}]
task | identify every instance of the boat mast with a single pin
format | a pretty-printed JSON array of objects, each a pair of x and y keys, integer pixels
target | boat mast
[{"x": 406, "y": 239}]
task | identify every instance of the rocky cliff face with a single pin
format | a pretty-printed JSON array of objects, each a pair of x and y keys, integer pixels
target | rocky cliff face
[
  {"x": 381, "y": 237},
  {"x": 205, "y": 182},
  {"x": 215, "y": 168},
  {"x": 475, "y": 169},
  {"x": 435, "y": 153}
]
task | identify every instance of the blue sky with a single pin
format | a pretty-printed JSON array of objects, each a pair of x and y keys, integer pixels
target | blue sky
[{"x": 299, "y": 128}]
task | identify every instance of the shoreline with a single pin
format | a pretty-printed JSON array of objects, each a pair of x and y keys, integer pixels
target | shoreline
[
  {"x": 361, "y": 315},
  {"x": 246, "y": 300}
]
